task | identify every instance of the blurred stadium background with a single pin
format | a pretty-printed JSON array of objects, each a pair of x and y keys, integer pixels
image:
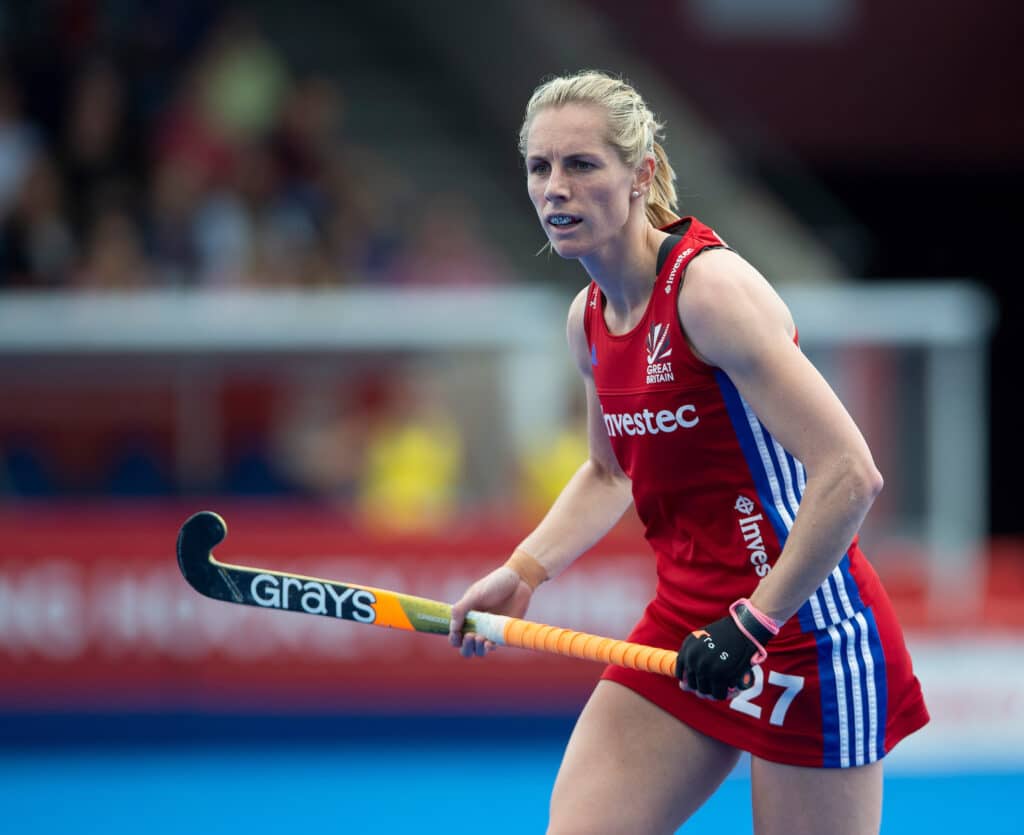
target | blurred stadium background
[{"x": 276, "y": 259}]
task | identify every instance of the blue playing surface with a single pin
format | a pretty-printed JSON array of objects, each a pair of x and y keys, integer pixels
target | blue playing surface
[{"x": 493, "y": 786}]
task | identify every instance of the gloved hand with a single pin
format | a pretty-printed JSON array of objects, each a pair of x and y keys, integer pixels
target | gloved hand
[{"x": 716, "y": 661}]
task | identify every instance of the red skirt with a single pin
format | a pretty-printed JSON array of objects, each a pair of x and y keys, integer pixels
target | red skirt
[{"x": 836, "y": 697}]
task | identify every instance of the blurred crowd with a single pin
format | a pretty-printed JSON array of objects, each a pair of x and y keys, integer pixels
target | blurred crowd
[{"x": 171, "y": 144}]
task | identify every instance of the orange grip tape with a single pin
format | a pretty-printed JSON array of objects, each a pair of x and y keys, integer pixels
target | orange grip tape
[{"x": 537, "y": 636}]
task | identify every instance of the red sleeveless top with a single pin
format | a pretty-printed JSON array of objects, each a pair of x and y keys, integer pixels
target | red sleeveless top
[{"x": 716, "y": 493}]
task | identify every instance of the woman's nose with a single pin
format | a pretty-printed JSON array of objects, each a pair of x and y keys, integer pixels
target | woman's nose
[{"x": 557, "y": 187}]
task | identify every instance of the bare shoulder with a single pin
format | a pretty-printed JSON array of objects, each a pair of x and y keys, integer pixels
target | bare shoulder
[
  {"x": 576, "y": 333},
  {"x": 728, "y": 308}
]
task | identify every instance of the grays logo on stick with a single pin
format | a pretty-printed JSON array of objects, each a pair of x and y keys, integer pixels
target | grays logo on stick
[{"x": 313, "y": 597}]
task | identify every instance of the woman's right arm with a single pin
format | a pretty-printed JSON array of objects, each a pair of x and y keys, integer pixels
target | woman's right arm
[{"x": 587, "y": 508}]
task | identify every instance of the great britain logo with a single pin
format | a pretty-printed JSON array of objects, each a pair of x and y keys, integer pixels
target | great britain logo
[
  {"x": 659, "y": 349},
  {"x": 658, "y": 345}
]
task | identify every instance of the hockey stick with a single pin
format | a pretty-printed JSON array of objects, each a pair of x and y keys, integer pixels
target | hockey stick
[{"x": 363, "y": 604}]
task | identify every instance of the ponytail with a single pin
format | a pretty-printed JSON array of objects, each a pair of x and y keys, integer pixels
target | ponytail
[{"x": 662, "y": 201}]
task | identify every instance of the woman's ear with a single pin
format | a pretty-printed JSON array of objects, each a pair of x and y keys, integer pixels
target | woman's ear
[{"x": 643, "y": 177}]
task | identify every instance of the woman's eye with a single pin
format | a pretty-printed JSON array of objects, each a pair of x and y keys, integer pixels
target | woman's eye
[
  {"x": 539, "y": 168},
  {"x": 582, "y": 164}
]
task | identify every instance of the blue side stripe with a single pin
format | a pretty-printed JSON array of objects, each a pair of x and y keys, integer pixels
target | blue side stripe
[
  {"x": 852, "y": 591},
  {"x": 748, "y": 445},
  {"x": 881, "y": 680},
  {"x": 768, "y": 462},
  {"x": 829, "y": 701},
  {"x": 856, "y": 658},
  {"x": 738, "y": 416},
  {"x": 806, "y": 617}
]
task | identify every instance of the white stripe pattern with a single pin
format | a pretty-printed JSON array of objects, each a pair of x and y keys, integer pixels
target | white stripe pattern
[
  {"x": 830, "y": 603},
  {"x": 786, "y": 505},
  {"x": 831, "y": 611},
  {"x": 801, "y": 477},
  {"x": 844, "y": 598},
  {"x": 869, "y": 678},
  {"x": 855, "y": 693},
  {"x": 783, "y": 458},
  {"x": 837, "y": 668},
  {"x": 769, "y": 467}
]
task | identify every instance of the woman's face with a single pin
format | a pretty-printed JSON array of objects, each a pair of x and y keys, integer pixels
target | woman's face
[{"x": 579, "y": 185}]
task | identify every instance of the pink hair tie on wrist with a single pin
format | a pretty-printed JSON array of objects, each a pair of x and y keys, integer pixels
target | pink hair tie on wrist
[
  {"x": 768, "y": 623},
  {"x": 756, "y": 625}
]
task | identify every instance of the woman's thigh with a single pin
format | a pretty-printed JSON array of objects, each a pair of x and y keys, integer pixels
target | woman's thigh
[
  {"x": 794, "y": 800},
  {"x": 631, "y": 767}
]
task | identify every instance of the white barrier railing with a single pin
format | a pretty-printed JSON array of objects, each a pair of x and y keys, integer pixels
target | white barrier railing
[{"x": 523, "y": 329}]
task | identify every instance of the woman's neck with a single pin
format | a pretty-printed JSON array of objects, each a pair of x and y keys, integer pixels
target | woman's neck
[{"x": 625, "y": 270}]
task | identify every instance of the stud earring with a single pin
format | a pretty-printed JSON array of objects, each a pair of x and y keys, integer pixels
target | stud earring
[{"x": 636, "y": 194}]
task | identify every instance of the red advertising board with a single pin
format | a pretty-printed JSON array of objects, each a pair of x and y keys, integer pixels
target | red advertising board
[{"x": 94, "y": 615}]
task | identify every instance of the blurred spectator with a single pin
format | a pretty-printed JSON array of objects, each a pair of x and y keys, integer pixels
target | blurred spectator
[
  {"x": 243, "y": 81},
  {"x": 173, "y": 199},
  {"x": 373, "y": 206},
  {"x": 114, "y": 258},
  {"x": 218, "y": 240},
  {"x": 447, "y": 247},
  {"x": 36, "y": 242},
  {"x": 320, "y": 439},
  {"x": 228, "y": 98},
  {"x": 182, "y": 135},
  {"x": 280, "y": 231},
  {"x": 546, "y": 468},
  {"x": 100, "y": 153},
  {"x": 19, "y": 143},
  {"x": 413, "y": 457},
  {"x": 308, "y": 136}
]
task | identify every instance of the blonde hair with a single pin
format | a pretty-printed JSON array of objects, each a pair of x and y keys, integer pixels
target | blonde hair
[{"x": 633, "y": 129}]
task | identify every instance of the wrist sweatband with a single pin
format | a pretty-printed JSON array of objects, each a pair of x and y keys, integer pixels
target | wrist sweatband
[
  {"x": 754, "y": 623},
  {"x": 526, "y": 566}
]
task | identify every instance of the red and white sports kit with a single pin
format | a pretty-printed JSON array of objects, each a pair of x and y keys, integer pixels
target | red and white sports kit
[{"x": 717, "y": 495}]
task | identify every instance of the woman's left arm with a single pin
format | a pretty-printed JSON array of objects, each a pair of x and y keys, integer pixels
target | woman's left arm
[{"x": 735, "y": 321}]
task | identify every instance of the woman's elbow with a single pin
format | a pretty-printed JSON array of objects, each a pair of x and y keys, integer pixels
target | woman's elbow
[
  {"x": 875, "y": 482},
  {"x": 866, "y": 480}
]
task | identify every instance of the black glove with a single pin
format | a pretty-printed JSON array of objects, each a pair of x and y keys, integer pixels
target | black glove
[{"x": 716, "y": 661}]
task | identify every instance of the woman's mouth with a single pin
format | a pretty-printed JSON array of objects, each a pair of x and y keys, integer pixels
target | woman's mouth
[{"x": 562, "y": 221}]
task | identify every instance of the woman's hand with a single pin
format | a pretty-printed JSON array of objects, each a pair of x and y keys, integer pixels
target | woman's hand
[{"x": 502, "y": 592}]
